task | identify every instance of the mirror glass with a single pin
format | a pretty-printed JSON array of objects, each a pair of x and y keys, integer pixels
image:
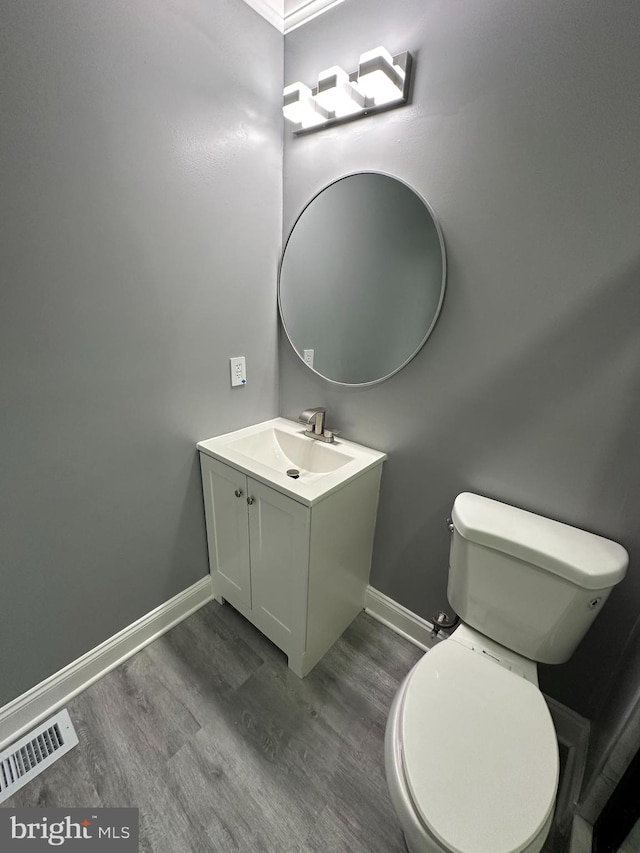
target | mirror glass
[{"x": 362, "y": 278}]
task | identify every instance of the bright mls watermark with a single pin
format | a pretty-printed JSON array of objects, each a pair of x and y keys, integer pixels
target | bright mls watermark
[{"x": 79, "y": 830}]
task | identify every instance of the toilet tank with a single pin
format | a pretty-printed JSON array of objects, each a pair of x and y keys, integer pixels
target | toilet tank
[{"x": 531, "y": 584}]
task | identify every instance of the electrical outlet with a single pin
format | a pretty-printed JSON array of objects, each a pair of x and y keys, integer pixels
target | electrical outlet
[
  {"x": 238, "y": 371},
  {"x": 308, "y": 357}
]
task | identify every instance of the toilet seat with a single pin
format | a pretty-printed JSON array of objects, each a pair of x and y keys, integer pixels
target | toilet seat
[{"x": 479, "y": 752}]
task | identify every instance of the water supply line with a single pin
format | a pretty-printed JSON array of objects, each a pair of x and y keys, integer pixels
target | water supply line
[{"x": 442, "y": 621}]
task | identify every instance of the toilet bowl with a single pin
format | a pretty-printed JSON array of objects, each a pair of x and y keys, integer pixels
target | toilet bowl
[
  {"x": 468, "y": 740},
  {"x": 471, "y": 754}
]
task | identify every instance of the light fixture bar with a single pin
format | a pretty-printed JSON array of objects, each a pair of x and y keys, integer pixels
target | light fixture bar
[{"x": 380, "y": 83}]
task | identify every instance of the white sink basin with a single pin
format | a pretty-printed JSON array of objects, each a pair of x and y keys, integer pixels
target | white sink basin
[
  {"x": 278, "y": 453},
  {"x": 282, "y": 450}
]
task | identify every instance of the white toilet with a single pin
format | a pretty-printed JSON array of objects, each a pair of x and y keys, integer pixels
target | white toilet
[{"x": 471, "y": 753}]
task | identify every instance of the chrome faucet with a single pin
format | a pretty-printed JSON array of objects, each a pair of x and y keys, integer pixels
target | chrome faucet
[{"x": 313, "y": 419}]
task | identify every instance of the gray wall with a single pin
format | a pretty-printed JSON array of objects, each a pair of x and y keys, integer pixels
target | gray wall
[
  {"x": 522, "y": 133},
  {"x": 141, "y": 156}
]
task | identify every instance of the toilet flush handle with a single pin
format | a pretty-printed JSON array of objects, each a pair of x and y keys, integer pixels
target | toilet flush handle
[{"x": 450, "y": 524}]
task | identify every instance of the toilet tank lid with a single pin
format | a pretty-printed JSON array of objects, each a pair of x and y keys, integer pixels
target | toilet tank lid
[{"x": 585, "y": 559}]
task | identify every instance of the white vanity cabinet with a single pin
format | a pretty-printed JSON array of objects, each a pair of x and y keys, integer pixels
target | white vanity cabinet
[{"x": 297, "y": 569}]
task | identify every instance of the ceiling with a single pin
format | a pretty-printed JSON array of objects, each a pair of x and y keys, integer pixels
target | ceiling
[{"x": 286, "y": 15}]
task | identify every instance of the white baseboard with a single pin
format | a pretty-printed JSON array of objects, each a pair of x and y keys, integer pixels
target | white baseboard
[
  {"x": 401, "y": 620},
  {"x": 573, "y": 732},
  {"x": 24, "y": 712},
  {"x": 581, "y": 835}
]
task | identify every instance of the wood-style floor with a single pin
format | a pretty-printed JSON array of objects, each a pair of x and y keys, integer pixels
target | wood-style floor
[{"x": 222, "y": 748}]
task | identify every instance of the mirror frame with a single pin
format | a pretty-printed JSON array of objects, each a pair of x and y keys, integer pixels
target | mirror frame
[{"x": 443, "y": 282}]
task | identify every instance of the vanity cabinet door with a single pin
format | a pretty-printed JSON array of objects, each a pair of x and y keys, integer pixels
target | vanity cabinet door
[
  {"x": 279, "y": 545},
  {"x": 299, "y": 573},
  {"x": 225, "y": 499}
]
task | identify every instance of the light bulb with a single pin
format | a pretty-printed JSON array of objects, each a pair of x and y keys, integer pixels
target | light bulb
[
  {"x": 379, "y": 78},
  {"x": 337, "y": 94},
  {"x": 300, "y": 107}
]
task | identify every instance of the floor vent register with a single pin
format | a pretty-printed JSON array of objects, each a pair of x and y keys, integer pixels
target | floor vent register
[{"x": 29, "y": 756}]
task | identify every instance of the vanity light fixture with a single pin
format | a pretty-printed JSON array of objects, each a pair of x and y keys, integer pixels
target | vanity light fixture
[{"x": 380, "y": 83}]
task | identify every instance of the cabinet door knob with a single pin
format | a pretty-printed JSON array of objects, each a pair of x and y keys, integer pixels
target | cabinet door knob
[
  {"x": 238, "y": 493},
  {"x": 250, "y": 501}
]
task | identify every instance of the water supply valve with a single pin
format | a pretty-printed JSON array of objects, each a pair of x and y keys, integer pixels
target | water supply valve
[{"x": 442, "y": 620}]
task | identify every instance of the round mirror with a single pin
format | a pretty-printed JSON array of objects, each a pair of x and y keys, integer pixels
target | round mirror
[{"x": 362, "y": 278}]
